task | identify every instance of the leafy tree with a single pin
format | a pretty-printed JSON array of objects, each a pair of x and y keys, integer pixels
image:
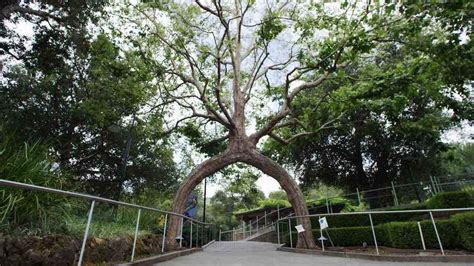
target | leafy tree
[
  {"x": 85, "y": 98},
  {"x": 394, "y": 105}
]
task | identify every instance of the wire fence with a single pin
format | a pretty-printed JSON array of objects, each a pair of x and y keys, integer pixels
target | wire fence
[
  {"x": 193, "y": 233},
  {"x": 390, "y": 196},
  {"x": 402, "y": 194},
  {"x": 329, "y": 238}
]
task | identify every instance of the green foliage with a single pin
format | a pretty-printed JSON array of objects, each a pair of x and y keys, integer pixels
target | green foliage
[
  {"x": 85, "y": 95},
  {"x": 270, "y": 28},
  {"x": 454, "y": 199},
  {"x": 393, "y": 95},
  {"x": 278, "y": 195},
  {"x": 201, "y": 141},
  {"x": 464, "y": 223},
  {"x": 406, "y": 234},
  {"x": 28, "y": 162},
  {"x": 457, "y": 160},
  {"x": 322, "y": 191},
  {"x": 273, "y": 203},
  {"x": 351, "y": 236}
]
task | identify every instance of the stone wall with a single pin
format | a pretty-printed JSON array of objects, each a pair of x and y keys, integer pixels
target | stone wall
[{"x": 64, "y": 250}]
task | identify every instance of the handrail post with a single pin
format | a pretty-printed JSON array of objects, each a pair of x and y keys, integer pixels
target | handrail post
[
  {"x": 395, "y": 198},
  {"x": 358, "y": 195},
  {"x": 278, "y": 231},
  {"x": 136, "y": 235},
  {"x": 289, "y": 230},
  {"x": 181, "y": 233},
  {"x": 265, "y": 218},
  {"x": 321, "y": 233},
  {"x": 257, "y": 224},
  {"x": 197, "y": 235},
  {"x": 164, "y": 234},
  {"x": 86, "y": 233},
  {"x": 421, "y": 236},
  {"x": 327, "y": 204},
  {"x": 191, "y": 236},
  {"x": 373, "y": 233},
  {"x": 437, "y": 235}
]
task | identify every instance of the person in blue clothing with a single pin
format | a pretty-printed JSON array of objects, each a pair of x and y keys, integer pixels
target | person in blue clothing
[{"x": 191, "y": 206}]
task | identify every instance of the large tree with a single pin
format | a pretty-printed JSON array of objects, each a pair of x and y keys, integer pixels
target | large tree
[
  {"x": 397, "y": 102},
  {"x": 86, "y": 98},
  {"x": 239, "y": 67}
]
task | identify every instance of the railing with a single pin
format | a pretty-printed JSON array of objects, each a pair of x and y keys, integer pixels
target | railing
[
  {"x": 398, "y": 194},
  {"x": 94, "y": 199},
  {"x": 253, "y": 228},
  {"x": 288, "y": 221}
]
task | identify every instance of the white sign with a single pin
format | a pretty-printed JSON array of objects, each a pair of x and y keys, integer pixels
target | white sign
[
  {"x": 299, "y": 228},
  {"x": 323, "y": 223}
]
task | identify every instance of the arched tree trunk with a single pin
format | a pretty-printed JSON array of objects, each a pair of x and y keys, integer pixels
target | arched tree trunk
[
  {"x": 251, "y": 157},
  {"x": 203, "y": 170}
]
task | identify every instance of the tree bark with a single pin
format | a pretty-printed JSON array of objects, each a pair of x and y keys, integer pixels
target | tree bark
[{"x": 244, "y": 151}]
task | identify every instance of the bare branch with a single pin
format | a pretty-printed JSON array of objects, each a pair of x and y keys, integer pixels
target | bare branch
[{"x": 326, "y": 125}]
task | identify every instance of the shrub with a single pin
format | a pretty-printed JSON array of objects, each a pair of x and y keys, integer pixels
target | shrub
[
  {"x": 29, "y": 162},
  {"x": 407, "y": 235},
  {"x": 457, "y": 232},
  {"x": 454, "y": 199},
  {"x": 353, "y": 220},
  {"x": 464, "y": 223},
  {"x": 273, "y": 204},
  {"x": 350, "y": 236}
]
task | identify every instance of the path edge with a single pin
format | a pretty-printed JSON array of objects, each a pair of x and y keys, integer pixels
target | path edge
[
  {"x": 161, "y": 258},
  {"x": 391, "y": 258}
]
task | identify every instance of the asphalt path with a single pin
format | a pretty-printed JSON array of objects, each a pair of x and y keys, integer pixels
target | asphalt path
[{"x": 249, "y": 253}]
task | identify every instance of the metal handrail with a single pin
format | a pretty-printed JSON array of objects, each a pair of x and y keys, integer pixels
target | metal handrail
[
  {"x": 377, "y": 212},
  {"x": 95, "y": 199},
  {"x": 9, "y": 183},
  {"x": 370, "y": 213}
]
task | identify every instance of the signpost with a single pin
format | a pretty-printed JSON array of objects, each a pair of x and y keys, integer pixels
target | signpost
[{"x": 323, "y": 224}]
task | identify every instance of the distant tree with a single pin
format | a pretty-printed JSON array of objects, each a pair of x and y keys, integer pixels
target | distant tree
[
  {"x": 278, "y": 195},
  {"x": 85, "y": 98},
  {"x": 65, "y": 17},
  {"x": 458, "y": 160},
  {"x": 239, "y": 192},
  {"x": 396, "y": 103}
]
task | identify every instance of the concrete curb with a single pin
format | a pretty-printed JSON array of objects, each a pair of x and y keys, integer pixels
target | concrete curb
[
  {"x": 393, "y": 258},
  {"x": 208, "y": 244},
  {"x": 161, "y": 258}
]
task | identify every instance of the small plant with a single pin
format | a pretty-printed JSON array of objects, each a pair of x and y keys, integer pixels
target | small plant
[{"x": 27, "y": 211}]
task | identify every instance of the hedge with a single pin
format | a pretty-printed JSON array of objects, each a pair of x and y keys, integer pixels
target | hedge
[
  {"x": 354, "y": 220},
  {"x": 455, "y": 233},
  {"x": 464, "y": 223},
  {"x": 407, "y": 235},
  {"x": 455, "y": 199}
]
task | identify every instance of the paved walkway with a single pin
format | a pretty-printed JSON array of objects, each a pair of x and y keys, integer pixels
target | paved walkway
[{"x": 243, "y": 253}]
